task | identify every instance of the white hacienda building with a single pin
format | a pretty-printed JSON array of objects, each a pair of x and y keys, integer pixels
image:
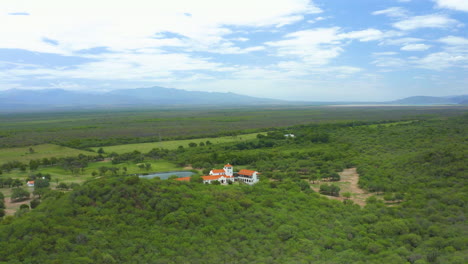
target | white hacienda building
[{"x": 227, "y": 174}]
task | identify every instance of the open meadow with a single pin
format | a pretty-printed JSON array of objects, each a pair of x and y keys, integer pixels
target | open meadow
[{"x": 25, "y": 154}]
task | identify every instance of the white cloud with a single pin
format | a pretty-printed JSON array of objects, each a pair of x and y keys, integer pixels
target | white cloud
[
  {"x": 241, "y": 39},
  {"x": 123, "y": 66},
  {"x": 320, "y": 45},
  {"x": 461, "y": 5},
  {"x": 440, "y": 60},
  {"x": 401, "y": 41},
  {"x": 85, "y": 24},
  {"x": 388, "y": 61},
  {"x": 415, "y": 47},
  {"x": 454, "y": 41},
  {"x": 316, "y": 46},
  {"x": 392, "y": 12},
  {"x": 427, "y": 21},
  {"x": 364, "y": 35}
]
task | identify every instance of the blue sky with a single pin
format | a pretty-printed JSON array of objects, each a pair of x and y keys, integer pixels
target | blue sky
[{"x": 340, "y": 50}]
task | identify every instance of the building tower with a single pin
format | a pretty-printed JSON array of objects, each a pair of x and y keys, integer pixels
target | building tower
[{"x": 229, "y": 170}]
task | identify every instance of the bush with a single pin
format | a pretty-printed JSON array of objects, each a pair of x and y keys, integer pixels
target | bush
[
  {"x": 332, "y": 190},
  {"x": 19, "y": 195},
  {"x": 34, "y": 203}
]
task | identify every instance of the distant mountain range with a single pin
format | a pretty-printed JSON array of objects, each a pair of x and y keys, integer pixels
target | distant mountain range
[
  {"x": 154, "y": 96},
  {"x": 431, "y": 100},
  {"x": 26, "y": 100}
]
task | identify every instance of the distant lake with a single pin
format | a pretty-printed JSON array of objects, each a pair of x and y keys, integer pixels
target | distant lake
[{"x": 166, "y": 175}]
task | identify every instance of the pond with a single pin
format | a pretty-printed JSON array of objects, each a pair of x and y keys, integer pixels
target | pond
[{"x": 166, "y": 175}]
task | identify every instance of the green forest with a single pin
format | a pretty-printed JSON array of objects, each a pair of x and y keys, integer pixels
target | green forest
[{"x": 411, "y": 165}]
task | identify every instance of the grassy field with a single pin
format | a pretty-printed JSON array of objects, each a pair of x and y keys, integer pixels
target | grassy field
[
  {"x": 23, "y": 154},
  {"x": 58, "y": 174},
  {"x": 146, "y": 147}
]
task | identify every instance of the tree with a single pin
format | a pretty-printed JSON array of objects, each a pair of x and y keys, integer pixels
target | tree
[
  {"x": 314, "y": 177},
  {"x": 62, "y": 186},
  {"x": 41, "y": 183},
  {"x": 33, "y": 164},
  {"x": 335, "y": 177},
  {"x": 31, "y": 150},
  {"x": 101, "y": 151},
  {"x": 147, "y": 166},
  {"x": 34, "y": 203},
  {"x": 347, "y": 195},
  {"x": 304, "y": 185},
  {"x": 40, "y": 191},
  {"x": 192, "y": 144},
  {"x": 332, "y": 190},
  {"x": 16, "y": 183},
  {"x": 19, "y": 194},
  {"x": 196, "y": 178}
]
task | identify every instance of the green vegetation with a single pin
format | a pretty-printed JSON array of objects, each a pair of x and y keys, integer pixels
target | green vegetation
[
  {"x": 415, "y": 173},
  {"x": 84, "y": 129},
  {"x": 174, "y": 144},
  {"x": 22, "y": 154}
]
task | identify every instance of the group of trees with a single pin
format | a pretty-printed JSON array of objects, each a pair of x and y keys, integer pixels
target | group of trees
[
  {"x": 331, "y": 189},
  {"x": 2, "y": 205},
  {"x": 8, "y": 182}
]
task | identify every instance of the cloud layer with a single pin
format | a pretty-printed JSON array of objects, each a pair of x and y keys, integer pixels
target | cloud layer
[{"x": 256, "y": 47}]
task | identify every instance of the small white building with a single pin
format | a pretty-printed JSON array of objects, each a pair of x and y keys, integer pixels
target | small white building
[
  {"x": 30, "y": 183},
  {"x": 227, "y": 170},
  {"x": 248, "y": 176}
]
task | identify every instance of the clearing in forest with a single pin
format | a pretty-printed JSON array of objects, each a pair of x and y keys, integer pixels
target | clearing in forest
[
  {"x": 348, "y": 183},
  {"x": 174, "y": 144},
  {"x": 25, "y": 154}
]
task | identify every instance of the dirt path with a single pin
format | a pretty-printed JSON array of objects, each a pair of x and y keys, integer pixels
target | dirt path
[{"x": 348, "y": 183}]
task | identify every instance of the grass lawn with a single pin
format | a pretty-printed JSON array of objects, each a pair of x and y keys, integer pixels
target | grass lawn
[
  {"x": 146, "y": 147},
  {"x": 23, "y": 154}
]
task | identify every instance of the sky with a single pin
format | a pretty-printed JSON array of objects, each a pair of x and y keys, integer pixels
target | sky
[{"x": 320, "y": 50}]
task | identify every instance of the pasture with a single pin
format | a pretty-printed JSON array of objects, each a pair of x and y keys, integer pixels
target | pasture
[
  {"x": 174, "y": 144},
  {"x": 25, "y": 154}
]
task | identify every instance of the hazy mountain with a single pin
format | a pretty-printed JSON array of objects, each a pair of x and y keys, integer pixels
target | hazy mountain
[
  {"x": 432, "y": 100},
  {"x": 28, "y": 100},
  {"x": 170, "y": 96},
  {"x": 16, "y": 99}
]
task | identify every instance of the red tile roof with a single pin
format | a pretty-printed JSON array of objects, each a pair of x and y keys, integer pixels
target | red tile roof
[
  {"x": 228, "y": 165},
  {"x": 212, "y": 177},
  {"x": 183, "y": 179},
  {"x": 218, "y": 171},
  {"x": 246, "y": 172}
]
